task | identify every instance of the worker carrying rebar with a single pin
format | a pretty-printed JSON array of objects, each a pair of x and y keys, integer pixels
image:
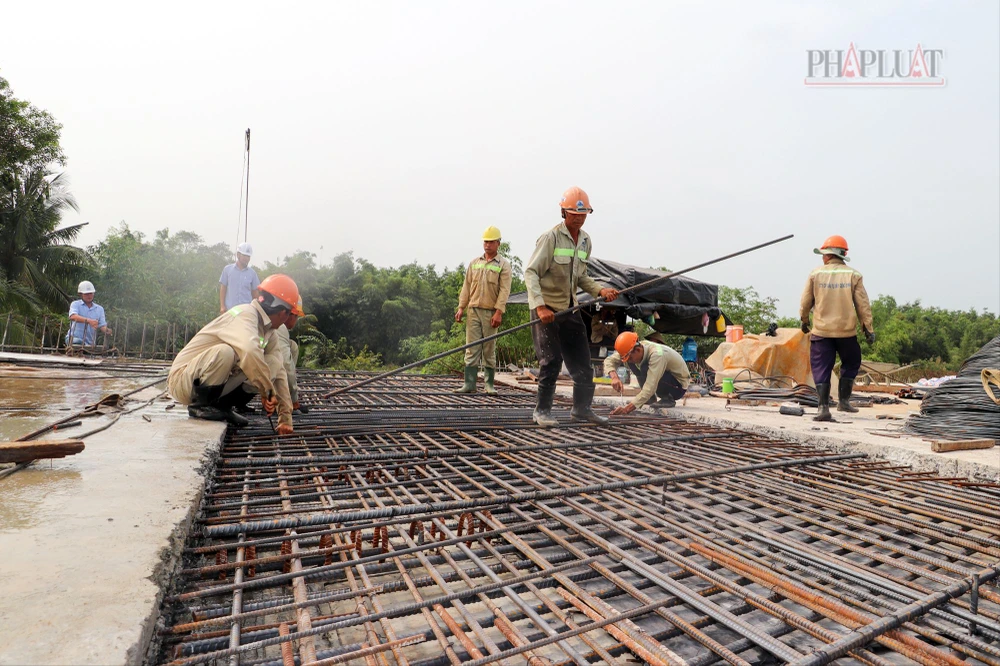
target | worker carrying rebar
[
  {"x": 835, "y": 293},
  {"x": 290, "y": 356},
  {"x": 239, "y": 346},
  {"x": 661, "y": 371},
  {"x": 86, "y": 317},
  {"x": 557, "y": 268},
  {"x": 483, "y": 300}
]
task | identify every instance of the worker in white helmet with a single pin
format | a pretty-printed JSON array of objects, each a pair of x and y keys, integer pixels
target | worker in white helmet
[
  {"x": 85, "y": 318},
  {"x": 238, "y": 283}
]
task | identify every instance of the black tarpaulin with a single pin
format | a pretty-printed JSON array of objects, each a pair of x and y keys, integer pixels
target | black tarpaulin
[{"x": 677, "y": 305}]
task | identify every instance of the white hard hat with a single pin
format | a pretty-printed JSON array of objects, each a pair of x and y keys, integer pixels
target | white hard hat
[
  {"x": 245, "y": 248},
  {"x": 86, "y": 287}
]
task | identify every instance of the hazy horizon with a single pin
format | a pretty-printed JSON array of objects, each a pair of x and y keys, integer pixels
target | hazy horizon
[{"x": 399, "y": 131}]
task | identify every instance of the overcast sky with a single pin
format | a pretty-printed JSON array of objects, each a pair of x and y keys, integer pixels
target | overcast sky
[{"x": 400, "y": 130}]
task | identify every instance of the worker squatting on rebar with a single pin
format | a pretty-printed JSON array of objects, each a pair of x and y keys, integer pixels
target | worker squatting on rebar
[
  {"x": 483, "y": 300},
  {"x": 835, "y": 293},
  {"x": 557, "y": 268},
  {"x": 662, "y": 372},
  {"x": 236, "y": 355}
]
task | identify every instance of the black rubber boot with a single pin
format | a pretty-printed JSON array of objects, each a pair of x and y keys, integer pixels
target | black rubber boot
[
  {"x": 238, "y": 400},
  {"x": 583, "y": 396},
  {"x": 301, "y": 409},
  {"x": 665, "y": 402},
  {"x": 205, "y": 405},
  {"x": 491, "y": 374},
  {"x": 845, "y": 390},
  {"x": 470, "y": 380},
  {"x": 207, "y": 413},
  {"x": 823, "y": 413},
  {"x": 543, "y": 407}
]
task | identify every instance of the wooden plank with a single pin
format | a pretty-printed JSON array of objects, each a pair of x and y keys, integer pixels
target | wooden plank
[
  {"x": 16, "y": 452},
  {"x": 944, "y": 445}
]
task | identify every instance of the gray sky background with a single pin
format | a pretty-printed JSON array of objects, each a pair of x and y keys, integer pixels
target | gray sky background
[{"x": 400, "y": 130}]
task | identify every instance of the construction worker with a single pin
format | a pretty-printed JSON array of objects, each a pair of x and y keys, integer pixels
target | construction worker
[
  {"x": 660, "y": 370},
  {"x": 837, "y": 298},
  {"x": 290, "y": 356},
  {"x": 556, "y": 269},
  {"x": 483, "y": 299},
  {"x": 86, "y": 318},
  {"x": 238, "y": 283},
  {"x": 240, "y": 346}
]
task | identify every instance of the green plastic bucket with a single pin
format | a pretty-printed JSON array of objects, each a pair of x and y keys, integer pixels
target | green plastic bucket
[{"x": 727, "y": 385}]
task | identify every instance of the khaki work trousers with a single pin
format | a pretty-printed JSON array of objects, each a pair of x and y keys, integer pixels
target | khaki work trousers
[
  {"x": 214, "y": 366},
  {"x": 477, "y": 327}
]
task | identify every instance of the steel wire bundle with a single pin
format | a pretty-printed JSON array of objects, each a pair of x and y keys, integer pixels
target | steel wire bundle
[{"x": 960, "y": 408}]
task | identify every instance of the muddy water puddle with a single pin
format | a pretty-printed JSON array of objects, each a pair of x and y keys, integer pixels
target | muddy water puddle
[{"x": 31, "y": 400}]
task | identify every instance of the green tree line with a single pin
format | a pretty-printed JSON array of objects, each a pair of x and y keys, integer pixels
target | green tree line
[{"x": 361, "y": 316}]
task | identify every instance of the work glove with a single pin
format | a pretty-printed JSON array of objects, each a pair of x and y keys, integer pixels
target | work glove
[
  {"x": 269, "y": 403},
  {"x": 870, "y": 337},
  {"x": 805, "y": 327}
]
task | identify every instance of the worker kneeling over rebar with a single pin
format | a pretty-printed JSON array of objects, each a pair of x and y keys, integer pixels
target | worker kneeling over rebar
[{"x": 236, "y": 356}]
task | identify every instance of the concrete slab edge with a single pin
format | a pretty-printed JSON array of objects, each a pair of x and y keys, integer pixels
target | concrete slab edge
[
  {"x": 147, "y": 648},
  {"x": 943, "y": 465}
]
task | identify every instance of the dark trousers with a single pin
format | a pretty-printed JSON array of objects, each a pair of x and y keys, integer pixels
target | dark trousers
[
  {"x": 823, "y": 356},
  {"x": 565, "y": 339},
  {"x": 668, "y": 386}
]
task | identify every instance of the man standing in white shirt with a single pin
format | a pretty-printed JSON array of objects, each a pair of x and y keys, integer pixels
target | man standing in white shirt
[{"x": 238, "y": 283}]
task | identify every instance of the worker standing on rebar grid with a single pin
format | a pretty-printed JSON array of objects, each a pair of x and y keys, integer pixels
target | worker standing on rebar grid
[
  {"x": 86, "y": 318},
  {"x": 483, "y": 300},
  {"x": 835, "y": 293},
  {"x": 290, "y": 355},
  {"x": 238, "y": 283},
  {"x": 238, "y": 346},
  {"x": 557, "y": 268},
  {"x": 661, "y": 371}
]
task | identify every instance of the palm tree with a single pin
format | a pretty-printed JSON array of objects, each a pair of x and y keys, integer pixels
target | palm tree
[{"x": 37, "y": 262}]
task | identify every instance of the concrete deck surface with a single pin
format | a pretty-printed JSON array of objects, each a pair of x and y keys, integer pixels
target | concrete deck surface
[
  {"x": 87, "y": 540},
  {"x": 857, "y": 433}
]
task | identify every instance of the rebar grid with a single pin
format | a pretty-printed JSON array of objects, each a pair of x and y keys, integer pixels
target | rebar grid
[{"x": 402, "y": 524}]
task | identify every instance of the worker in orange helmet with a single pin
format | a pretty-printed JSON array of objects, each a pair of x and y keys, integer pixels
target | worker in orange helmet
[
  {"x": 556, "y": 269},
  {"x": 835, "y": 293},
  {"x": 238, "y": 347},
  {"x": 660, "y": 370}
]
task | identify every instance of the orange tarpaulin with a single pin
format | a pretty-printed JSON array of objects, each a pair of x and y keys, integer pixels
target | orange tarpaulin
[{"x": 785, "y": 354}]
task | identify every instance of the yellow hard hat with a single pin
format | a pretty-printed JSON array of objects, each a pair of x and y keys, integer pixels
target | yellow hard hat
[{"x": 491, "y": 234}]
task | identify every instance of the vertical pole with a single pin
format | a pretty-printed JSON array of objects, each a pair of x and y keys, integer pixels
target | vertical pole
[
  {"x": 55, "y": 347},
  {"x": 142, "y": 342},
  {"x": 6, "y": 329},
  {"x": 24, "y": 332},
  {"x": 152, "y": 354},
  {"x": 45, "y": 323},
  {"x": 126, "y": 337}
]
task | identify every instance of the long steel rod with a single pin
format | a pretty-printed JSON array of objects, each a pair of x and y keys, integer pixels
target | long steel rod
[{"x": 561, "y": 313}]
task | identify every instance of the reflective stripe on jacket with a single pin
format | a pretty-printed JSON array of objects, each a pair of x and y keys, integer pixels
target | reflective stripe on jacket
[
  {"x": 557, "y": 268},
  {"x": 836, "y": 295},
  {"x": 487, "y": 284}
]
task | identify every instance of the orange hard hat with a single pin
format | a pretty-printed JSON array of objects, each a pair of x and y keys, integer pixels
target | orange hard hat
[
  {"x": 838, "y": 242},
  {"x": 282, "y": 288},
  {"x": 297, "y": 308},
  {"x": 626, "y": 342},
  {"x": 575, "y": 200}
]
